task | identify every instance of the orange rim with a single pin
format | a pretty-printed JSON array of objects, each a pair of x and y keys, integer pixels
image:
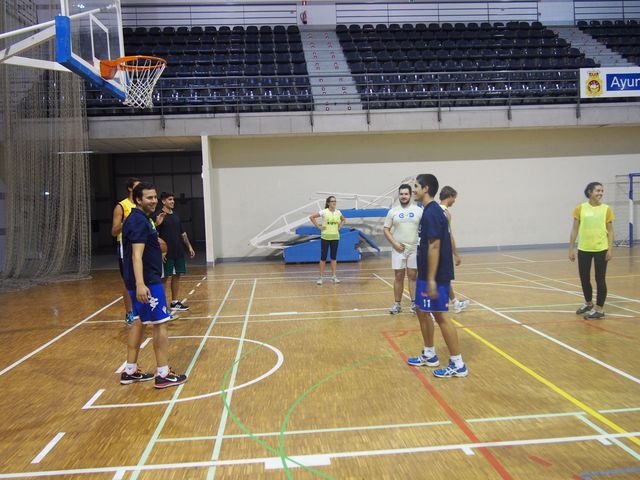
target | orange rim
[{"x": 108, "y": 68}]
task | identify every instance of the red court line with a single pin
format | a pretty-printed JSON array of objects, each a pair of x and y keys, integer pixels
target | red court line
[
  {"x": 498, "y": 467},
  {"x": 540, "y": 461},
  {"x": 613, "y": 332}
]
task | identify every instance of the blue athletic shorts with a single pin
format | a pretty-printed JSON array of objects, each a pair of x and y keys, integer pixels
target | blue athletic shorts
[
  {"x": 156, "y": 310},
  {"x": 426, "y": 304}
]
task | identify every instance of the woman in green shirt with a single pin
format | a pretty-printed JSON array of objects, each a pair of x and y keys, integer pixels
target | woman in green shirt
[{"x": 332, "y": 222}]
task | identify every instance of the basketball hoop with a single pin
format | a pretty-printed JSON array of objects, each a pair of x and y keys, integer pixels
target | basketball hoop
[{"x": 138, "y": 74}]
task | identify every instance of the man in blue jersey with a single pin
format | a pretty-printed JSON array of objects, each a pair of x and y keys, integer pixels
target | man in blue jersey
[
  {"x": 142, "y": 271},
  {"x": 435, "y": 272}
]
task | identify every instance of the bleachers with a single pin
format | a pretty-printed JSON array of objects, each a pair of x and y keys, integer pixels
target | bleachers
[
  {"x": 620, "y": 36},
  {"x": 473, "y": 64},
  {"x": 220, "y": 70}
]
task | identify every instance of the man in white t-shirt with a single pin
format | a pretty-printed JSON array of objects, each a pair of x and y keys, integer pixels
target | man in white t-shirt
[{"x": 401, "y": 230}]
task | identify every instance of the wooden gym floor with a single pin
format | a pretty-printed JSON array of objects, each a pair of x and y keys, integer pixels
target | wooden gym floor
[{"x": 314, "y": 381}]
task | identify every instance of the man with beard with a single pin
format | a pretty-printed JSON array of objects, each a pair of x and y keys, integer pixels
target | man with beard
[
  {"x": 401, "y": 230},
  {"x": 142, "y": 269}
]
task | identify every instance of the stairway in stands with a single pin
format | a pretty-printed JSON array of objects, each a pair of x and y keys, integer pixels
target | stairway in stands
[
  {"x": 332, "y": 85},
  {"x": 591, "y": 47}
]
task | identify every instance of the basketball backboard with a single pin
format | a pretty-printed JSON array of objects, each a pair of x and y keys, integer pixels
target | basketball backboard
[{"x": 88, "y": 31}]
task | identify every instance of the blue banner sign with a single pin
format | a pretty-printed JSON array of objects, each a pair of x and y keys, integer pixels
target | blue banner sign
[{"x": 610, "y": 82}]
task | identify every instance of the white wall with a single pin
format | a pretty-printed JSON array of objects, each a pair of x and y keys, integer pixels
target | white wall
[{"x": 515, "y": 187}]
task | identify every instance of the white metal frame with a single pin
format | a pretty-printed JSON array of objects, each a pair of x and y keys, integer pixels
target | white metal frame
[{"x": 10, "y": 55}]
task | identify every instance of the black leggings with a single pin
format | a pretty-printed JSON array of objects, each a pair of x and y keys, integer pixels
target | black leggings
[
  {"x": 584, "y": 267},
  {"x": 324, "y": 249}
]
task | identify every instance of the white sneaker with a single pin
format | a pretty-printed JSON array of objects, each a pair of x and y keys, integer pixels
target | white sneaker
[
  {"x": 413, "y": 308},
  {"x": 460, "y": 305},
  {"x": 319, "y": 281},
  {"x": 395, "y": 309},
  {"x": 335, "y": 279}
]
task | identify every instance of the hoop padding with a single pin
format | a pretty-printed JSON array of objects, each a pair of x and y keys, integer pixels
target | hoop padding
[{"x": 139, "y": 75}]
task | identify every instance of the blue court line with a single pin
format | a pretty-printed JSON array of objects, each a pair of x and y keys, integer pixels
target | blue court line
[{"x": 620, "y": 471}]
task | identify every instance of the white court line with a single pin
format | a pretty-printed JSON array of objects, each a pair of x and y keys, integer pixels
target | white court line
[
  {"x": 271, "y": 371},
  {"x": 607, "y": 441},
  {"x": 51, "y": 342},
  {"x": 558, "y": 342},
  {"x": 283, "y": 313},
  {"x": 145, "y": 343},
  {"x": 174, "y": 399},
  {"x": 275, "y": 463},
  {"x": 217, "y": 447},
  {"x": 48, "y": 448},
  {"x": 519, "y": 258},
  {"x": 93, "y": 399},
  {"x": 609, "y": 295},
  {"x": 192, "y": 292},
  {"x": 334, "y": 455},
  {"x": 521, "y": 310},
  {"x": 119, "y": 475},
  {"x": 198, "y": 284}
]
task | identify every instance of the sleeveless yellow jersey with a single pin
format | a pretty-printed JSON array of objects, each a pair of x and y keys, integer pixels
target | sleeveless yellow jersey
[
  {"x": 126, "y": 205},
  {"x": 592, "y": 234},
  {"x": 331, "y": 221}
]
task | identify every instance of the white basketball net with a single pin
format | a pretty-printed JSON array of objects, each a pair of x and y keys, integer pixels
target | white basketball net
[{"x": 140, "y": 76}]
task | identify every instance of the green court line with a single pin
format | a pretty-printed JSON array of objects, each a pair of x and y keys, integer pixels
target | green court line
[
  {"x": 237, "y": 421},
  {"x": 309, "y": 391}
]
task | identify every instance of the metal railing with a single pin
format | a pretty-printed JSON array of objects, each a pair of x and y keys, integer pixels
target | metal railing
[{"x": 430, "y": 90}]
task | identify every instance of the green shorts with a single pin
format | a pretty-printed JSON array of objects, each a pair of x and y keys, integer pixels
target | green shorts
[{"x": 173, "y": 266}]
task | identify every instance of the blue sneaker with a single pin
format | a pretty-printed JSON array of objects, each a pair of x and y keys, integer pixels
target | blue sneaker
[
  {"x": 422, "y": 360},
  {"x": 451, "y": 371},
  {"x": 129, "y": 318}
]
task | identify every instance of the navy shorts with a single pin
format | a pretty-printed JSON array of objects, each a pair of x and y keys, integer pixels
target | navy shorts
[
  {"x": 426, "y": 303},
  {"x": 156, "y": 310}
]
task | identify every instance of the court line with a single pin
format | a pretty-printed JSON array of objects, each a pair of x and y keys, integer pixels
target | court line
[
  {"x": 93, "y": 399},
  {"x": 306, "y": 432},
  {"x": 557, "y": 342},
  {"x": 611, "y": 295},
  {"x": 543, "y": 380},
  {"x": 278, "y": 364},
  {"x": 38, "y": 458},
  {"x": 52, "y": 341},
  {"x": 390, "y": 426},
  {"x": 353, "y": 454},
  {"x": 549, "y": 384},
  {"x": 601, "y": 473},
  {"x": 576, "y": 293},
  {"x": 544, "y": 335},
  {"x": 614, "y": 441},
  {"x": 519, "y": 258},
  {"x": 217, "y": 447},
  {"x": 451, "y": 413},
  {"x": 167, "y": 412}
]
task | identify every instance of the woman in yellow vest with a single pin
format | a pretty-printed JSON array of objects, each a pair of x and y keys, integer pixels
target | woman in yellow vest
[
  {"x": 332, "y": 222},
  {"x": 593, "y": 226}
]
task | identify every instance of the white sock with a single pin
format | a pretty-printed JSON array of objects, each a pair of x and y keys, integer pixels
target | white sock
[
  {"x": 457, "y": 360},
  {"x": 163, "y": 371},
  {"x": 429, "y": 351},
  {"x": 454, "y": 301},
  {"x": 397, "y": 303},
  {"x": 130, "y": 368}
]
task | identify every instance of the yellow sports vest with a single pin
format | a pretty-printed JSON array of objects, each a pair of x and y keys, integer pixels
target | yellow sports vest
[
  {"x": 331, "y": 221},
  {"x": 126, "y": 208},
  {"x": 592, "y": 234}
]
